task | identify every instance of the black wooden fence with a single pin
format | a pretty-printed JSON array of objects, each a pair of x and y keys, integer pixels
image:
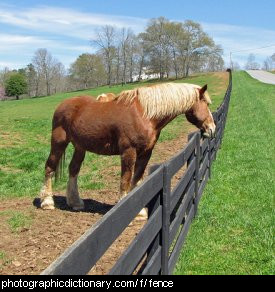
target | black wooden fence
[{"x": 170, "y": 212}]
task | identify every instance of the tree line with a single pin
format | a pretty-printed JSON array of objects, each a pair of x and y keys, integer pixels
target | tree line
[
  {"x": 268, "y": 63},
  {"x": 165, "y": 49}
]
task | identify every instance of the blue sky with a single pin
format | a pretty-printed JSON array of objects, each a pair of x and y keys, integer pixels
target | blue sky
[{"x": 66, "y": 27}]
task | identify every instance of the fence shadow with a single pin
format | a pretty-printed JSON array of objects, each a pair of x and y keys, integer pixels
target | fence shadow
[{"x": 90, "y": 205}]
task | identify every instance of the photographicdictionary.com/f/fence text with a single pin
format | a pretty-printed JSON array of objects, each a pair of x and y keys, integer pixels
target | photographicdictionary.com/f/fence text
[{"x": 9, "y": 283}]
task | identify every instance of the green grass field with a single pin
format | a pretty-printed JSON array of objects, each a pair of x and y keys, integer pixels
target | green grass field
[
  {"x": 25, "y": 128},
  {"x": 233, "y": 232}
]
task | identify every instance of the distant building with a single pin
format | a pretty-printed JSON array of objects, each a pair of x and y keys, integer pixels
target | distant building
[{"x": 146, "y": 75}]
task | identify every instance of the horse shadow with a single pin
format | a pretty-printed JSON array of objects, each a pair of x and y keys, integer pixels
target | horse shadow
[{"x": 90, "y": 205}]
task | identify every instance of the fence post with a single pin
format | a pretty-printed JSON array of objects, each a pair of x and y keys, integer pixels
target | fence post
[
  {"x": 193, "y": 155},
  {"x": 197, "y": 170},
  {"x": 215, "y": 117},
  {"x": 223, "y": 121},
  {"x": 165, "y": 221},
  {"x": 209, "y": 158},
  {"x": 152, "y": 207}
]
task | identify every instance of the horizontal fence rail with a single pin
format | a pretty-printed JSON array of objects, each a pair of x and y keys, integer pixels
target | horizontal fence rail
[{"x": 171, "y": 210}]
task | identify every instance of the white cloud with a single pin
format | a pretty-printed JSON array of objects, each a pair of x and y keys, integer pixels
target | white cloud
[
  {"x": 8, "y": 65},
  {"x": 242, "y": 41},
  {"x": 63, "y": 21},
  {"x": 14, "y": 41},
  {"x": 67, "y": 32},
  {"x": 22, "y": 47}
]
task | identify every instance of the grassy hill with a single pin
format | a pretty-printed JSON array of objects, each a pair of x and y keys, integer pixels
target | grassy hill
[
  {"x": 25, "y": 128},
  {"x": 233, "y": 233}
]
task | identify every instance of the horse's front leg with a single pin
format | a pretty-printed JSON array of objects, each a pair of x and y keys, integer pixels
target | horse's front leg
[
  {"x": 140, "y": 166},
  {"x": 128, "y": 160}
]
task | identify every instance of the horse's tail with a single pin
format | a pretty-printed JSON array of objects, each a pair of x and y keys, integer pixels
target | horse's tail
[{"x": 59, "y": 172}]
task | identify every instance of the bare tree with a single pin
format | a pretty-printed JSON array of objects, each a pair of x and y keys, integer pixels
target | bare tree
[
  {"x": 251, "y": 63},
  {"x": 197, "y": 43},
  {"x": 140, "y": 56},
  {"x": 32, "y": 80},
  {"x": 105, "y": 41},
  {"x": 172, "y": 46},
  {"x": 4, "y": 75},
  {"x": 175, "y": 33},
  {"x": 268, "y": 64},
  {"x": 2, "y": 92},
  {"x": 117, "y": 63},
  {"x": 213, "y": 59},
  {"x": 126, "y": 42},
  {"x": 156, "y": 44},
  {"x": 42, "y": 61},
  {"x": 58, "y": 77},
  {"x": 164, "y": 48},
  {"x": 46, "y": 67},
  {"x": 131, "y": 54}
]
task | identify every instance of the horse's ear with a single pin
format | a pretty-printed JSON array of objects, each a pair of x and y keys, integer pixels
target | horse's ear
[{"x": 202, "y": 90}]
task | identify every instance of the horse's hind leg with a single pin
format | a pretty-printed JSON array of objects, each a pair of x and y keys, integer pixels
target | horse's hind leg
[
  {"x": 73, "y": 199},
  {"x": 58, "y": 145}
]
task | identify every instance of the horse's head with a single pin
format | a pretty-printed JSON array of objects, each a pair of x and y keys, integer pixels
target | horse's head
[{"x": 200, "y": 114}]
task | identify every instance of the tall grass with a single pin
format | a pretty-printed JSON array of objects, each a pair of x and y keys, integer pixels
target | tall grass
[{"x": 233, "y": 233}]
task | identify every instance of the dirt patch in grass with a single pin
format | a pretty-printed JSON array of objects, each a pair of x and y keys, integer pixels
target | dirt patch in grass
[
  {"x": 223, "y": 82},
  {"x": 33, "y": 246},
  {"x": 8, "y": 169},
  {"x": 8, "y": 139}
]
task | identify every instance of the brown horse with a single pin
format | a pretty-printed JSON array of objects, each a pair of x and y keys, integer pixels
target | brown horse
[
  {"x": 128, "y": 126},
  {"x": 105, "y": 97}
]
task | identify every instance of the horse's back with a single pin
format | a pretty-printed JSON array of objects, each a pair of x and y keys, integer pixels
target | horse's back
[
  {"x": 76, "y": 101},
  {"x": 85, "y": 110},
  {"x": 69, "y": 108}
]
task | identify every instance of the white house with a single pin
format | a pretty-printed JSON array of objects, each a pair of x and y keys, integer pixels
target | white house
[{"x": 146, "y": 75}]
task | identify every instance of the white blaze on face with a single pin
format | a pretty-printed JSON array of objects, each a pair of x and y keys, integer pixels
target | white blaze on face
[
  {"x": 209, "y": 126},
  {"x": 212, "y": 126}
]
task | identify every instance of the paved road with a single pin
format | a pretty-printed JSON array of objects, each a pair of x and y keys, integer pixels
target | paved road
[{"x": 262, "y": 76}]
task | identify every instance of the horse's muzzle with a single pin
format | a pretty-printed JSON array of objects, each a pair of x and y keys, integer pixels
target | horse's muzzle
[{"x": 211, "y": 134}]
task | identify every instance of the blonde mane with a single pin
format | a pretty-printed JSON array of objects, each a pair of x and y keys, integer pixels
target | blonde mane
[{"x": 162, "y": 100}]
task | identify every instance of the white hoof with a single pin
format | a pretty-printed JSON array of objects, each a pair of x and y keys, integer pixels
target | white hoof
[{"x": 47, "y": 203}]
